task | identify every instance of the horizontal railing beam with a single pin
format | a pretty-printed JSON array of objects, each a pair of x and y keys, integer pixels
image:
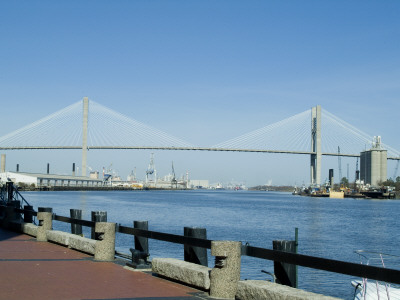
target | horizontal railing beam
[
  {"x": 22, "y": 211},
  {"x": 336, "y": 266},
  {"x": 73, "y": 221},
  {"x": 166, "y": 237}
]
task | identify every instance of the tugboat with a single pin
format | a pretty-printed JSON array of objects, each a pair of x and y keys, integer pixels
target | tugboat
[{"x": 382, "y": 193}]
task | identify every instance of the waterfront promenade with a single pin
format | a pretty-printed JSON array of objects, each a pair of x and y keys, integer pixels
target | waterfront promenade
[{"x": 41, "y": 270}]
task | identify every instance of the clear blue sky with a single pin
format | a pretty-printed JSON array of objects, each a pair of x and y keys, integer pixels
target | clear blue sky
[{"x": 204, "y": 71}]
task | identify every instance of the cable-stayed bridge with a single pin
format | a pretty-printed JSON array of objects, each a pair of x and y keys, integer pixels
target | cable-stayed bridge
[{"x": 89, "y": 125}]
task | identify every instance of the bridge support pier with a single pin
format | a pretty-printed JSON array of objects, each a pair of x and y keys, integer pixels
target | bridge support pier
[
  {"x": 84, "y": 134},
  {"x": 3, "y": 163},
  {"x": 316, "y": 157}
]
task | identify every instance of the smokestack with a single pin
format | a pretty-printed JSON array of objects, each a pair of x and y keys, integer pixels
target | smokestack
[
  {"x": 17, "y": 167},
  {"x": 331, "y": 177},
  {"x": 3, "y": 163},
  {"x": 48, "y": 168},
  {"x": 73, "y": 169}
]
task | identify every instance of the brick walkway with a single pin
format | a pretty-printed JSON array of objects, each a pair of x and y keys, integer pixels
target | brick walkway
[{"x": 41, "y": 270}]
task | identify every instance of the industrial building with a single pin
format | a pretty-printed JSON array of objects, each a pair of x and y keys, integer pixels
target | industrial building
[
  {"x": 373, "y": 164},
  {"x": 199, "y": 184},
  {"x": 37, "y": 180}
]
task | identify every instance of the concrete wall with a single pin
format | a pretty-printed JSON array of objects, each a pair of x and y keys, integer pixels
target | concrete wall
[{"x": 261, "y": 289}]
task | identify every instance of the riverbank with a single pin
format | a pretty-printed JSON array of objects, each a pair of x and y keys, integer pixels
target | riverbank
[
  {"x": 91, "y": 188},
  {"x": 284, "y": 189}
]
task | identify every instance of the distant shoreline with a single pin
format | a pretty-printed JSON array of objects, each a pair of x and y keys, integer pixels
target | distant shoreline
[{"x": 89, "y": 188}]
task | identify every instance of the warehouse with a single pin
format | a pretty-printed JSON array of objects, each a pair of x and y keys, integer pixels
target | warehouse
[{"x": 48, "y": 180}]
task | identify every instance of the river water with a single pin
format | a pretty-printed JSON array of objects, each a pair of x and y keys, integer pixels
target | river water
[{"x": 329, "y": 228}]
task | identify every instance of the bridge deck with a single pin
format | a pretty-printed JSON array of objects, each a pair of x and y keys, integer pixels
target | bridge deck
[{"x": 41, "y": 270}]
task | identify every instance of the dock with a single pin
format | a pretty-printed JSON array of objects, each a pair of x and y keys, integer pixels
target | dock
[{"x": 41, "y": 270}]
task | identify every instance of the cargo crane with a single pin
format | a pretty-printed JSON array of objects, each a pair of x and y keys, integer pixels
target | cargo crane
[
  {"x": 151, "y": 171},
  {"x": 173, "y": 179},
  {"x": 107, "y": 173}
]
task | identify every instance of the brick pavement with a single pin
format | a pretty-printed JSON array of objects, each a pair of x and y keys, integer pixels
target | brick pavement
[{"x": 42, "y": 270}]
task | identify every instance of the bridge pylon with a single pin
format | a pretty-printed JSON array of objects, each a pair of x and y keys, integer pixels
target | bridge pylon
[
  {"x": 316, "y": 156},
  {"x": 84, "y": 134}
]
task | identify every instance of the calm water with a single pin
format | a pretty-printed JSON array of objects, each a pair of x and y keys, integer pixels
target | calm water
[{"x": 330, "y": 228}]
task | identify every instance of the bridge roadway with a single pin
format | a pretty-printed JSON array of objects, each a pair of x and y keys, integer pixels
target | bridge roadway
[
  {"x": 179, "y": 148},
  {"x": 40, "y": 270}
]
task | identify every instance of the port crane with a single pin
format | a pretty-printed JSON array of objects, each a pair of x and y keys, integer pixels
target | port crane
[
  {"x": 151, "y": 171},
  {"x": 173, "y": 179}
]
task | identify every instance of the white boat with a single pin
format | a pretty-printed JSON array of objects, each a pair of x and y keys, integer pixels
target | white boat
[
  {"x": 367, "y": 289},
  {"x": 371, "y": 290}
]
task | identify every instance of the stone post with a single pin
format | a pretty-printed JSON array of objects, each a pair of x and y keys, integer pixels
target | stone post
[
  {"x": 225, "y": 275},
  {"x": 105, "y": 245},
  {"x": 45, "y": 223}
]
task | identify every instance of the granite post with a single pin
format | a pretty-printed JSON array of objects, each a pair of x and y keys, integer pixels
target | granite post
[
  {"x": 225, "y": 275},
  {"x": 105, "y": 245},
  {"x": 45, "y": 223}
]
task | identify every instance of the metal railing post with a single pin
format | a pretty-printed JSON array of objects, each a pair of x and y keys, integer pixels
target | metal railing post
[
  {"x": 10, "y": 188},
  {"x": 10, "y": 213},
  {"x": 98, "y": 216},
  {"x": 286, "y": 274},
  {"x": 76, "y": 214},
  {"x": 28, "y": 216},
  {"x": 141, "y": 252},
  {"x": 193, "y": 254}
]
